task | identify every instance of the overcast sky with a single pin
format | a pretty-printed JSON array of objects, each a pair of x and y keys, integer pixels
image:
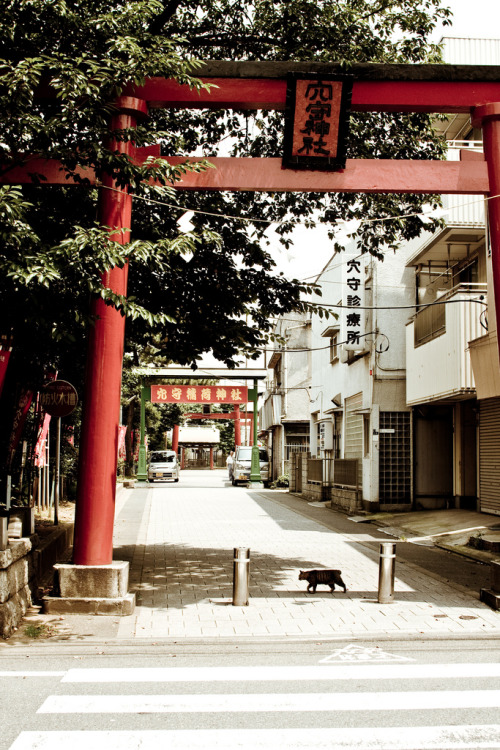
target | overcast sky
[{"x": 471, "y": 19}]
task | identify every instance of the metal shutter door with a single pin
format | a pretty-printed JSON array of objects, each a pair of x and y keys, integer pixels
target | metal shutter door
[
  {"x": 489, "y": 455},
  {"x": 353, "y": 442}
]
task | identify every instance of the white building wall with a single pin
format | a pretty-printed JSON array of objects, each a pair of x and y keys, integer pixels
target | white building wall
[{"x": 379, "y": 375}]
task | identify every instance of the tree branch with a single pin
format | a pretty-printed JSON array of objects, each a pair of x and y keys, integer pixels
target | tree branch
[{"x": 157, "y": 24}]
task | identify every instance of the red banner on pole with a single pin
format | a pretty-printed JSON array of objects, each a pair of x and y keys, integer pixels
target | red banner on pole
[
  {"x": 20, "y": 418},
  {"x": 39, "y": 452},
  {"x": 5, "y": 350},
  {"x": 122, "y": 430},
  {"x": 199, "y": 394}
]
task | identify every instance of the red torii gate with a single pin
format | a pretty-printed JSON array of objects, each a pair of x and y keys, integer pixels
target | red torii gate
[{"x": 248, "y": 86}]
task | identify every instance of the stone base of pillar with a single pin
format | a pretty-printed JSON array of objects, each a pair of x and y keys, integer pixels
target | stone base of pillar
[{"x": 90, "y": 589}]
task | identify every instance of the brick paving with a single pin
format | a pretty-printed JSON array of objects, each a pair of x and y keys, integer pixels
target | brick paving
[{"x": 179, "y": 540}]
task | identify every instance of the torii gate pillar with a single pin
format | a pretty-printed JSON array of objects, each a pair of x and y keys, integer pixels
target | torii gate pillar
[
  {"x": 487, "y": 117},
  {"x": 94, "y": 583},
  {"x": 95, "y": 505}
]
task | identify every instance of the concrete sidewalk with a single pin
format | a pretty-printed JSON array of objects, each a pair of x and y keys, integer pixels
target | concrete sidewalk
[
  {"x": 179, "y": 541},
  {"x": 182, "y": 568}
]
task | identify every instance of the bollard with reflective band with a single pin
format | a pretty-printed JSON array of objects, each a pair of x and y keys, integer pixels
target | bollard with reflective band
[
  {"x": 241, "y": 576},
  {"x": 386, "y": 572}
]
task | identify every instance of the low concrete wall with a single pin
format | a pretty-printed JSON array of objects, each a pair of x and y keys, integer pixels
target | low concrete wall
[
  {"x": 23, "y": 567},
  {"x": 345, "y": 499},
  {"x": 312, "y": 491}
]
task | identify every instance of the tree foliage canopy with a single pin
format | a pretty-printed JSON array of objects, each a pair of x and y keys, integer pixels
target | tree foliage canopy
[{"x": 64, "y": 62}]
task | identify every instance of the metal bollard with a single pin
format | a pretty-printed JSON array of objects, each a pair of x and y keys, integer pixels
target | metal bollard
[
  {"x": 241, "y": 576},
  {"x": 387, "y": 567}
]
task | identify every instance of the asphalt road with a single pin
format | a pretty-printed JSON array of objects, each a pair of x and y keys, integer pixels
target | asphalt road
[{"x": 268, "y": 695}]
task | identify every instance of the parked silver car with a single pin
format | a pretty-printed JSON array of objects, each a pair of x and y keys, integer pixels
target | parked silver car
[
  {"x": 163, "y": 465},
  {"x": 243, "y": 461}
]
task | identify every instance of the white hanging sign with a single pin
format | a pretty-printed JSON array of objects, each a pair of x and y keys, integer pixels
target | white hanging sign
[{"x": 352, "y": 325}]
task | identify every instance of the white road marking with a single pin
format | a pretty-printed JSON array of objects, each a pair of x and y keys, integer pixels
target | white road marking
[
  {"x": 472, "y": 737},
  {"x": 275, "y": 674},
  {"x": 296, "y": 702},
  {"x": 32, "y": 674},
  {"x": 356, "y": 653}
]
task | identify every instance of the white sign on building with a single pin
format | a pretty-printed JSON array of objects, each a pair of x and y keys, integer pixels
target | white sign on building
[{"x": 352, "y": 314}]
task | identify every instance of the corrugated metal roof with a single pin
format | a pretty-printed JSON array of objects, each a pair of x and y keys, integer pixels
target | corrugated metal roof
[{"x": 463, "y": 51}]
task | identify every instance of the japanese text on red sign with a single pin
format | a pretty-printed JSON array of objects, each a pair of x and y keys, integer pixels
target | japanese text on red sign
[
  {"x": 57, "y": 398},
  {"x": 198, "y": 394},
  {"x": 316, "y": 121}
]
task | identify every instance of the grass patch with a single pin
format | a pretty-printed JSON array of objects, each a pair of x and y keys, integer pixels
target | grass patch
[{"x": 36, "y": 631}]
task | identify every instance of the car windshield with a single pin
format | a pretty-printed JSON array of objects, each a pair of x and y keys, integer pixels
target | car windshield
[
  {"x": 245, "y": 454},
  {"x": 157, "y": 458}
]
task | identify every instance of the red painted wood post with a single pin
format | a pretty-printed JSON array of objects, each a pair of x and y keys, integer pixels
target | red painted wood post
[
  {"x": 95, "y": 505},
  {"x": 237, "y": 425},
  {"x": 175, "y": 438},
  {"x": 488, "y": 117}
]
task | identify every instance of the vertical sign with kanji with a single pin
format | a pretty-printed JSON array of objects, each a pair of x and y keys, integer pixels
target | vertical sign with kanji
[
  {"x": 317, "y": 121},
  {"x": 353, "y": 314}
]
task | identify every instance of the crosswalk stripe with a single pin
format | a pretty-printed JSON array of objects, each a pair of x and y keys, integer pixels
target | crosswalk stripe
[
  {"x": 297, "y": 702},
  {"x": 33, "y": 674},
  {"x": 472, "y": 737},
  {"x": 268, "y": 674}
]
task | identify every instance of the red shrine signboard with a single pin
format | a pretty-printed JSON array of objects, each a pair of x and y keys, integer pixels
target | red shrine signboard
[
  {"x": 199, "y": 394},
  {"x": 317, "y": 121}
]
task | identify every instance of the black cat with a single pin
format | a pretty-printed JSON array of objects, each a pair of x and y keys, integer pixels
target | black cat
[{"x": 328, "y": 577}]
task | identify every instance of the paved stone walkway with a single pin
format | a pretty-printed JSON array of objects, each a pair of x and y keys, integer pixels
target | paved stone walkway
[{"x": 179, "y": 539}]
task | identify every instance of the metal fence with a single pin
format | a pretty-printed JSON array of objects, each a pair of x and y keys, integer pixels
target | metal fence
[
  {"x": 333, "y": 472},
  {"x": 291, "y": 448}
]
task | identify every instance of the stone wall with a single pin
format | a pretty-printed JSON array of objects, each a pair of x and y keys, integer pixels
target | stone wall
[
  {"x": 344, "y": 499},
  {"x": 24, "y": 565},
  {"x": 312, "y": 491}
]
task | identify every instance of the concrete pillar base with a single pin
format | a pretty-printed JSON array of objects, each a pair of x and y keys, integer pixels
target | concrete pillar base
[
  {"x": 120, "y": 607},
  {"x": 90, "y": 589}
]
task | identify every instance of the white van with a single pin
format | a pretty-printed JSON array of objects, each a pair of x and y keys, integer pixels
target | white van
[
  {"x": 163, "y": 465},
  {"x": 243, "y": 461}
]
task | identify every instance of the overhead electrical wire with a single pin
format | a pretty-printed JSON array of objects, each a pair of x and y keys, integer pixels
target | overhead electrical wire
[{"x": 277, "y": 222}]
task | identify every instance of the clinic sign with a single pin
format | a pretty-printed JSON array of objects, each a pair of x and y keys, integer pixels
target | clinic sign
[
  {"x": 199, "y": 394},
  {"x": 316, "y": 121},
  {"x": 352, "y": 313}
]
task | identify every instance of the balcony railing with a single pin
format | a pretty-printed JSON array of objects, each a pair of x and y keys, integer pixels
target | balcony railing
[
  {"x": 430, "y": 321},
  {"x": 438, "y": 363}
]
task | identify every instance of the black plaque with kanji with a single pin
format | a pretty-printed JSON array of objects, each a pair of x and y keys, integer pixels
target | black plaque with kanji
[{"x": 317, "y": 121}]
